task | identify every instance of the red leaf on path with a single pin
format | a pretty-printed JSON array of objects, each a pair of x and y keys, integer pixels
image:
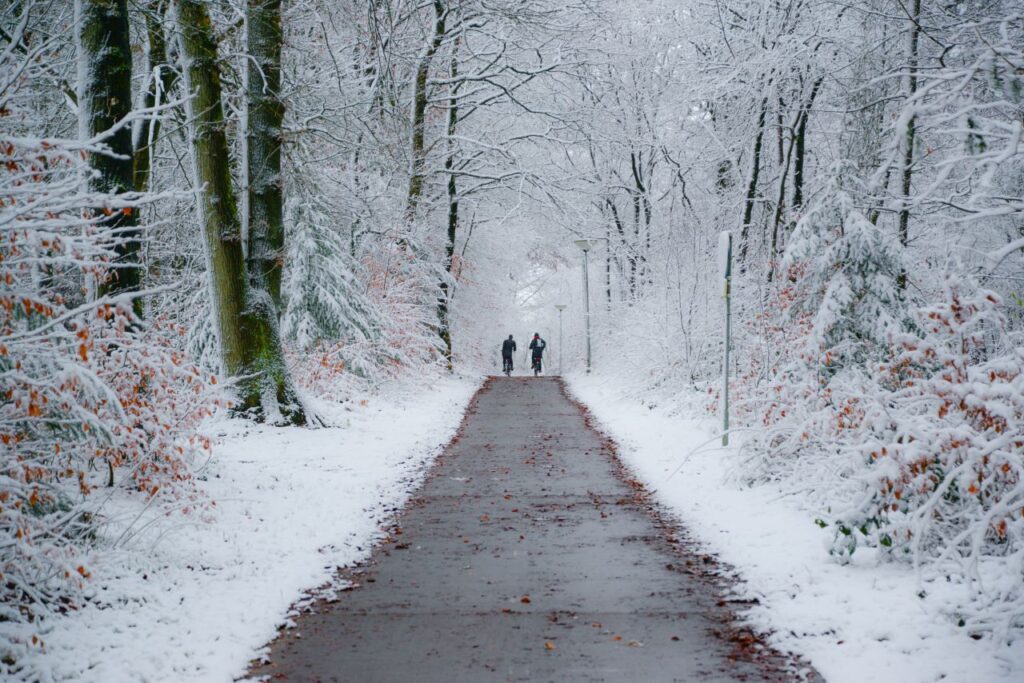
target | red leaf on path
[
  {"x": 525, "y": 599},
  {"x": 548, "y": 645}
]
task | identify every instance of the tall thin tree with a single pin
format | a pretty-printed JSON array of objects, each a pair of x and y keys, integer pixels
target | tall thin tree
[
  {"x": 265, "y": 259},
  {"x": 104, "y": 101},
  {"x": 910, "y": 131},
  {"x": 419, "y": 110},
  {"x": 445, "y": 295},
  {"x": 245, "y": 316},
  {"x": 160, "y": 82}
]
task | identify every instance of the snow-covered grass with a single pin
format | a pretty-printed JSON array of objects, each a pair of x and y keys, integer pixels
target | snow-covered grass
[
  {"x": 196, "y": 597},
  {"x": 861, "y": 622}
]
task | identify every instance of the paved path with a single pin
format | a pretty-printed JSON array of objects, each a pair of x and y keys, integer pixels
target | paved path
[{"x": 525, "y": 557}]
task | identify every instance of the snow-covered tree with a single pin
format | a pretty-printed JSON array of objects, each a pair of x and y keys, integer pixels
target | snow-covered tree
[
  {"x": 848, "y": 272},
  {"x": 327, "y": 306}
]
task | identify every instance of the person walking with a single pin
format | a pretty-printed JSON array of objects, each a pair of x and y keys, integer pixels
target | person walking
[
  {"x": 508, "y": 347},
  {"x": 537, "y": 346}
]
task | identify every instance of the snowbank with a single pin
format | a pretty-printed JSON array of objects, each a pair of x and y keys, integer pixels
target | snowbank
[
  {"x": 194, "y": 600},
  {"x": 855, "y": 623}
]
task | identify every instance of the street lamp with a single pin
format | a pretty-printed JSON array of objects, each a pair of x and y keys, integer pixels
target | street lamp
[
  {"x": 560, "y": 307},
  {"x": 586, "y": 246}
]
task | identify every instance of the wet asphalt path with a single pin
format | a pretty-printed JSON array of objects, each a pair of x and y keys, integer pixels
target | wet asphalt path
[{"x": 526, "y": 556}]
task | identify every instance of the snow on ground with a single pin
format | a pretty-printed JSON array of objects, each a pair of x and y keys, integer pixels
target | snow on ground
[
  {"x": 195, "y": 601},
  {"x": 856, "y": 623}
]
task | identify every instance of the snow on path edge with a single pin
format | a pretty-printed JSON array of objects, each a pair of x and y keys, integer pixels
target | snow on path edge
[
  {"x": 855, "y": 623},
  {"x": 197, "y": 601}
]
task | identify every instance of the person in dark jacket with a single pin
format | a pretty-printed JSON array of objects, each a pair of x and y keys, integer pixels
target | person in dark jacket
[
  {"x": 508, "y": 347},
  {"x": 537, "y": 346}
]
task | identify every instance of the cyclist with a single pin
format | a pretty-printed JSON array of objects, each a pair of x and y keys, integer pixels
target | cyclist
[
  {"x": 508, "y": 347},
  {"x": 537, "y": 348}
]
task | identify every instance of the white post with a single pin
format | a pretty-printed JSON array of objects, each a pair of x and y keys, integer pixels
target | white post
[
  {"x": 725, "y": 266},
  {"x": 560, "y": 307},
  {"x": 586, "y": 301}
]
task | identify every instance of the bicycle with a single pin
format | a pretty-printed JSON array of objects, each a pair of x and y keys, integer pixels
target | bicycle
[{"x": 507, "y": 367}]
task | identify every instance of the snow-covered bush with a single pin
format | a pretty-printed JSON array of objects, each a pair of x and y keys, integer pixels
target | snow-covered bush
[
  {"x": 909, "y": 424},
  {"x": 402, "y": 283},
  {"x": 943, "y": 446},
  {"x": 830, "y": 320},
  {"x": 93, "y": 399}
]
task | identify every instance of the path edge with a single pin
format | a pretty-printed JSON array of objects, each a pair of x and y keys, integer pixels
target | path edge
[
  {"x": 346, "y": 578},
  {"x": 750, "y": 643}
]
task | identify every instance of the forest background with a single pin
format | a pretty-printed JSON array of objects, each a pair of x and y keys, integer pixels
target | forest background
[{"x": 257, "y": 207}]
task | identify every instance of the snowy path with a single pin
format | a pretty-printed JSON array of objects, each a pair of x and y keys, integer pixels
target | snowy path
[{"x": 526, "y": 556}]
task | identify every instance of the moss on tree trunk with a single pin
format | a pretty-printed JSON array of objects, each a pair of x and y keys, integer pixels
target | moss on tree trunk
[
  {"x": 245, "y": 316},
  {"x": 105, "y": 98},
  {"x": 264, "y": 140}
]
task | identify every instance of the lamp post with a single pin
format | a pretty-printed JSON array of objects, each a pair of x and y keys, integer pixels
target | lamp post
[
  {"x": 725, "y": 266},
  {"x": 560, "y": 307},
  {"x": 586, "y": 246}
]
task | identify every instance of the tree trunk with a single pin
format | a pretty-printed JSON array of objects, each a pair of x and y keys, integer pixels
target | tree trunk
[
  {"x": 104, "y": 99},
  {"x": 630, "y": 256},
  {"x": 801, "y": 145},
  {"x": 751, "y": 198},
  {"x": 265, "y": 259},
  {"x": 794, "y": 153},
  {"x": 642, "y": 200},
  {"x": 780, "y": 207},
  {"x": 635, "y": 250},
  {"x": 162, "y": 79},
  {"x": 419, "y": 110},
  {"x": 608, "y": 267},
  {"x": 444, "y": 298},
  {"x": 245, "y": 319},
  {"x": 910, "y": 89}
]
